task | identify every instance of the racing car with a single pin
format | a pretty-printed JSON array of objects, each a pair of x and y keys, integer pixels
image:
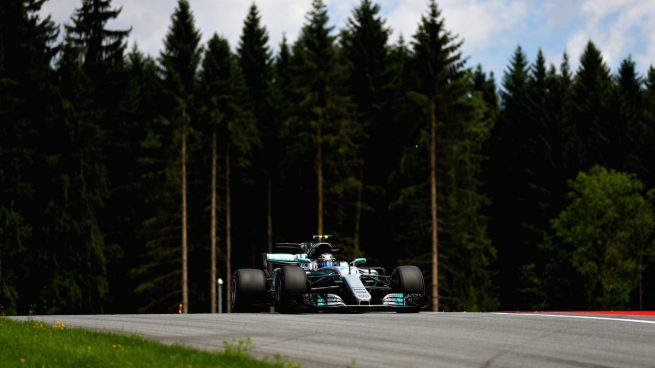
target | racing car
[{"x": 303, "y": 277}]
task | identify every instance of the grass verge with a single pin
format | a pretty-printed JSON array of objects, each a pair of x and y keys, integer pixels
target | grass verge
[{"x": 37, "y": 344}]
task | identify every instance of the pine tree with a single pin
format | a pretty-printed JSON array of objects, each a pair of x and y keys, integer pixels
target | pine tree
[
  {"x": 215, "y": 79},
  {"x": 430, "y": 41},
  {"x": 453, "y": 139},
  {"x": 56, "y": 177},
  {"x": 282, "y": 95},
  {"x": 322, "y": 119},
  {"x": 101, "y": 53},
  {"x": 648, "y": 117},
  {"x": 646, "y": 294},
  {"x": 558, "y": 86},
  {"x": 14, "y": 231},
  {"x": 282, "y": 79},
  {"x": 541, "y": 177},
  {"x": 80, "y": 184},
  {"x": 225, "y": 108},
  {"x": 140, "y": 105},
  {"x": 591, "y": 112},
  {"x": 629, "y": 128},
  {"x": 179, "y": 60},
  {"x": 286, "y": 188},
  {"x": 101, "y": 47},
  {"x": 217, "y": 82},
  {"x": 256, "y": 64},
  {"x": 486, "y": 86},
  {"x": 507, "y": 174},
  {"x": 364, "y": 45}
]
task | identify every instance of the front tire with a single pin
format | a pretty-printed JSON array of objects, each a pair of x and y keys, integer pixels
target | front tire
[
  {"x": 409, "y": 281},
  {"x": 290, "y": 284},
  {"x": 248, "y": 289}
]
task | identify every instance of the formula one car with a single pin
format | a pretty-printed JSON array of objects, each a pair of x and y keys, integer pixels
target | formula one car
[{"x": 307, "y": 277}]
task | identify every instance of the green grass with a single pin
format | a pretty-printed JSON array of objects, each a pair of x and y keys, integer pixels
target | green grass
[{"x": 37, "y": 344}]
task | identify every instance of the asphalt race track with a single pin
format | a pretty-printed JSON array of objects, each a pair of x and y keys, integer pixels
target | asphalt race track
[{"x": 406, "y": 340}]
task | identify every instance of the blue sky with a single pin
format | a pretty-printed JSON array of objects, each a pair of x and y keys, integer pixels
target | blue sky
[{"x": 491, "y": 29}]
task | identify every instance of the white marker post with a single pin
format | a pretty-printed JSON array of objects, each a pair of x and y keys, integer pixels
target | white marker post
[{"x": 220, "y": 295}]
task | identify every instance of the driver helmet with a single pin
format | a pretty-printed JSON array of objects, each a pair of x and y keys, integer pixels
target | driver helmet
[{"x": 326, "y": 260}]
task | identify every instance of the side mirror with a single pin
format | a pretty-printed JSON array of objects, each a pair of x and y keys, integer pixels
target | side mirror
[
  {"x": 304, "y": 260},
  {"x": 359, "y": 261}
]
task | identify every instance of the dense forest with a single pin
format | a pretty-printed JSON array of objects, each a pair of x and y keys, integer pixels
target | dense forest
[{"x": 129, "y": 183}]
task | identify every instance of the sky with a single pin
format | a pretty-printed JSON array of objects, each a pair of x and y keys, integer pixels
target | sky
[{"x": 491, "y": 29}]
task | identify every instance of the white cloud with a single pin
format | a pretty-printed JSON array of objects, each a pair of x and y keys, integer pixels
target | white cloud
[
  {"x": 226, "y": 17},
  {"x": 404, "y": 17},
  {"x": 150, "y": 19},
  {"x": 484, "y": 23},
  {"x": 619, "y": 28},
  {"x": 479, "y": 23},
  {"x": 340, "y": 10},
  {"x": 491, "y": 29},
  {"x": 559, "y": 12}
]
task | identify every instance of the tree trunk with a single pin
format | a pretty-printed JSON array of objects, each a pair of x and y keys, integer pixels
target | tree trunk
[
  {"x": 228, "y": 231},
  {"x": 319, "y": 178},
  {"x": 640, "y": 269},
  {"x": 213, "y": 224},
  {"x": 185, "y": 271},
  {"x": 433, "y": 197},
  {"x": 253, "y": 246},
  {"x": 358, "y": 212},
  {"x": 269, "y": 214}
]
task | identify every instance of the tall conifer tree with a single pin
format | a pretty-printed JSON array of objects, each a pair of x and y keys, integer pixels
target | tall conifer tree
[
  {"x": 282, "y": 80},
  {"x": 322, "y": 117},
  {"x": 506, "y": 175},
  {"x": 140, "y": 107},
  {"x": 101, "y": 52},
  {"x": 591, "y": 112},
  {"x": 256, "y": 64},
  {"x": 27, "y": 91},
  {"x": 453, "y": 137},
  {"x": 364, "y": 44},
  {"x": 648, "y": 116},
  {"x": 288, "y": 177},
  {"x": 436, "y": 54},
  {"x": 224, "y": 101},
  {"x": 630, "y": 131},
  {"x": 223, "y": 93},
  {"x": 180, "y": 59}
]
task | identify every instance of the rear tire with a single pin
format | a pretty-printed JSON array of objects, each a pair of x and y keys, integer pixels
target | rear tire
[
  {"x": 248, "y": 289},
  {"x": 291, "y": 283}
]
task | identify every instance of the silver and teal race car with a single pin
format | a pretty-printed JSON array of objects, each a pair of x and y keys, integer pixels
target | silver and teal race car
[{"x": 300, "y": 277}]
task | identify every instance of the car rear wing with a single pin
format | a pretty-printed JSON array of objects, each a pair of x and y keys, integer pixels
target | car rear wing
[
  {"x": 292, "y": 248},
  {"x": 284, "y": 259}
]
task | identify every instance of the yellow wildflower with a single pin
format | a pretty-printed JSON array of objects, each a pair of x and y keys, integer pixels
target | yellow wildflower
[{"x": 37, "y": 325}]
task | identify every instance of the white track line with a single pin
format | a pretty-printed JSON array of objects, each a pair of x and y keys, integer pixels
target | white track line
[{"x": 580, "y": 317}]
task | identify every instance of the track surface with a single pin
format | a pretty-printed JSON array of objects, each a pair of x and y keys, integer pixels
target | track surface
[{"x": 406, "y": 340}]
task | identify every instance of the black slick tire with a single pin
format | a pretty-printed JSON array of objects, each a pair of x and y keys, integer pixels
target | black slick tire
[
  {"x": 248, "y": 289},
  {"x": 409, "y": 281},
  {"x": 290, "y": 284}
]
